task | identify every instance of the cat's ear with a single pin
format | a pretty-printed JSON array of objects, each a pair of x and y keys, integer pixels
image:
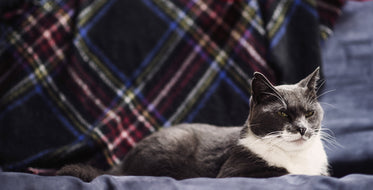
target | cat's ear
[
  {"x": 311, "y": 80},
  {"x": 261, "y": 88}
]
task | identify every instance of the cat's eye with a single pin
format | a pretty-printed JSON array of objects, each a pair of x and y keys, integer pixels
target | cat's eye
[
  {"x": 282, "y": 114},
  {"x": 310, "y": 113}
]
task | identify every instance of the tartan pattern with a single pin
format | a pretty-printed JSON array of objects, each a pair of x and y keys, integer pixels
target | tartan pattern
[{"x": 47, "y": 51}]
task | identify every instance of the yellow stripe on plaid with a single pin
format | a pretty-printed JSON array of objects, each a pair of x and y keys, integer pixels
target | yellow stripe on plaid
[
  {"x": 278, "y": 17},
  {"x": 186, "y": 23}
]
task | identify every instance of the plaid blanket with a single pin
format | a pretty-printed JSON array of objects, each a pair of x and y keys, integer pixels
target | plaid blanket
[{"x": 85, "y": 80}]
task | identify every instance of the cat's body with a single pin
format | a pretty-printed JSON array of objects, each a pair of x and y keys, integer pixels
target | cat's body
[
  {"x": 183, "y": 151},
  {"x": 281, "y": 136}
]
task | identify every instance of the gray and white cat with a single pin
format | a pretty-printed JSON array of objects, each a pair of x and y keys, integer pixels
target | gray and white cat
[{"x": 281, "y": 136}]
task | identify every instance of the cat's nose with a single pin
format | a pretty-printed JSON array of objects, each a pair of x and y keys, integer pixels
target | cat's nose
[{"x": 302, "y": 130}]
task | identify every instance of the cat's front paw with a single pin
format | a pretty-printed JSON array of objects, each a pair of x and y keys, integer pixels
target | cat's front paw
[{"x": 84, "y": 172}]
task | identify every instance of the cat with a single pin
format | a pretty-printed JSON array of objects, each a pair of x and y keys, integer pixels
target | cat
[{"x": 282, "y": 135}]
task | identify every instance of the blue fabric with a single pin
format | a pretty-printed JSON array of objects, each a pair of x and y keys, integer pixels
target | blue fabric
[
  {"x": 10, "y": 180},
  {"x": 348, "y": 70},
  {"x": 348, "y": 66}
]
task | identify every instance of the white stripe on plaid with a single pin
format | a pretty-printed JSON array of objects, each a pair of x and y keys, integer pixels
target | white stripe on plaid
[
  {"x": 277, "y": 17},
  {"x": 166, "y": 90},
  {"x": 207, "y": 78},
  {"x": 40, "y": 70}
]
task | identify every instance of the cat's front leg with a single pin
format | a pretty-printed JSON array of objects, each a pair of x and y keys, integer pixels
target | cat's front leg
[
  {"x": 243, "y": 163},
  {"x": 85, "y": 172}
]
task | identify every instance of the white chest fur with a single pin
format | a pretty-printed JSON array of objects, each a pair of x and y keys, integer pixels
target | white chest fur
[{"x": 309, "y": 160}]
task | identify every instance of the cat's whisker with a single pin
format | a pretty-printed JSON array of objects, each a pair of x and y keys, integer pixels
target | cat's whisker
[
  {"x": 274, "y": 134},
  {"x": 328, "y": 137},
  {"x": 323, "y": 128},
  {"x": 327, "y": 104},
  {"x": 326, "y": 92},
  {"x": 320, "y": 85},
  {"x": 310, "y": 100},
  {"x": 331, "y": 143}
]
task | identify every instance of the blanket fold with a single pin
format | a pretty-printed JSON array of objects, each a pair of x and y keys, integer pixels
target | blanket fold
[{"x": 85, "y": 80}]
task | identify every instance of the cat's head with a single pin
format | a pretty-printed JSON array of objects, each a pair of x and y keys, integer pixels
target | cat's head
[{"x": 288, "y": 114}]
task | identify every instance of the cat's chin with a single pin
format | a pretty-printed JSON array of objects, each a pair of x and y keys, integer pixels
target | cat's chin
[
  {"x": 299, "y": 141},
  {"x": 297, "y": 144}
]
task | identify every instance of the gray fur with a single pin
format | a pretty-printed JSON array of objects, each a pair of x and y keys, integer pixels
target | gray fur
[
  {"x": 201, "y": 150},
  {"x": 183, "y": 151}
]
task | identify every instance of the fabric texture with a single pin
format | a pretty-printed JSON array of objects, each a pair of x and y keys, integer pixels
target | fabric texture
[
  {"x": 290, "y": 182},
  {"x": 85, "y": 80},
  {"x": 348, "y": 103}
]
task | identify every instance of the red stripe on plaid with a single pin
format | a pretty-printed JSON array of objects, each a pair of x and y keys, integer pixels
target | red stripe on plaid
[
  {"x": 185, "y": 78},
  {"x": 103, "y": 95},
  {"x": 169, "y": 73}
]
